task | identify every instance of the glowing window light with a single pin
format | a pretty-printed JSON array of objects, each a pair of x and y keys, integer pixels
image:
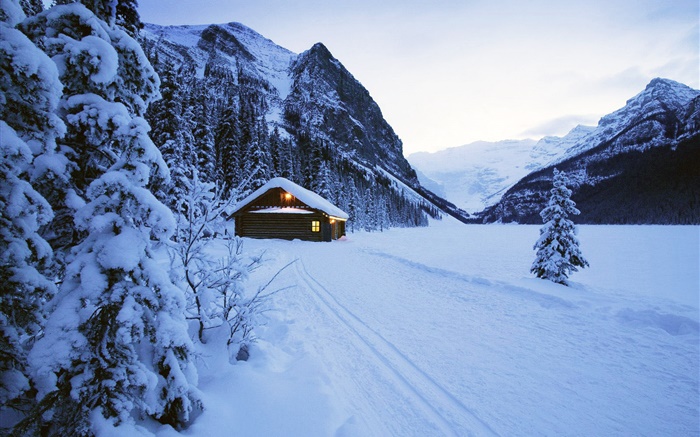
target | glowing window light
[{"x": 315, "y": 226}]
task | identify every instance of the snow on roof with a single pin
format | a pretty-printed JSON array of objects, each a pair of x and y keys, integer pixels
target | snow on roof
[{"x": 310, "y": 198}]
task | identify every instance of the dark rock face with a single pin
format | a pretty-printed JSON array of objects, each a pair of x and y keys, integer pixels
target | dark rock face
[
  {"x": 325, "y": 96},
  {"x": 641, "y": 165},
  {"x": 216, "y": 37}
]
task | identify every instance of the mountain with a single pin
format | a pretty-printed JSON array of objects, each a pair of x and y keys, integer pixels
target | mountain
[
  {"x": 641, "y": 164},
  {"x": 476, "y": 175},
  {"x": 265, "y": 111},
  {"x": 327, "y": 97}
]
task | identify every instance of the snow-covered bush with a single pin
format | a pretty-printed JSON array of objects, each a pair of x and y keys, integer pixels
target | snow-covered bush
[
  {"x": 199, "y": 215},
  {"x": 558, "y": 252},
  {"x": 235, "y": 305},
  {"x": 215, "y": 282}
]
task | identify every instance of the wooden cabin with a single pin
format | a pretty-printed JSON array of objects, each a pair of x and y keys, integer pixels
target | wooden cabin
[{"x": 283, "y": 209}]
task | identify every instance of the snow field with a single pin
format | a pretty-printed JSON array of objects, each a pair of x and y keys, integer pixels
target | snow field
[{"x": 442, "y": 331}]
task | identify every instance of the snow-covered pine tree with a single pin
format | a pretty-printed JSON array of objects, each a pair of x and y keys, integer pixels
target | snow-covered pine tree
[
  {"x": 78, "y": 47},
  {"x": 228, "y": 159},
  {"x": 352, "y": 206},
  {"x": 128, "y": 17},
  {"x": 370, "y": 216},
  {"x": 29, "y": 93},
  {"x": 558, "y": 252},
  {"x": 323, "y": 183},
  {"x": 172, "y": 133},
  {"x": 257, "y": 171},
  {"x": 116, "y": 342},
  {"x": 23, "y": 253},
  {"x": 204, "y": 138}
]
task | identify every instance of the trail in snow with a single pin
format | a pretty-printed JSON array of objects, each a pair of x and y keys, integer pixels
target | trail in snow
[
  {"x": 452, "y": 417},
  {"x": 525, "y": 355}
]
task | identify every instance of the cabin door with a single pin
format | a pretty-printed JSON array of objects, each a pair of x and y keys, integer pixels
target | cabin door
[{"x": 326, "y": 231}]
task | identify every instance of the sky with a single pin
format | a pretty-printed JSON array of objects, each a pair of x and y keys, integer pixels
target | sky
[{"x": 450, "y": 72}]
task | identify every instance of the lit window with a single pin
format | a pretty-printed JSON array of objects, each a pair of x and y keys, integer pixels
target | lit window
[{"x": 315, "y": 226}]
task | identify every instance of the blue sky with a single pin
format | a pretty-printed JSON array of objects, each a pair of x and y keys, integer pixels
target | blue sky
[{"x": 448, "y": 72}]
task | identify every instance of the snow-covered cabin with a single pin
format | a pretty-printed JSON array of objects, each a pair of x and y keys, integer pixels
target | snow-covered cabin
[{"x": 283, "y": 209}]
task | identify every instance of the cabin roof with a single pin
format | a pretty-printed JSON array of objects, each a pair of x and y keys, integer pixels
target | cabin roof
[{"x": 310, "y": 198}]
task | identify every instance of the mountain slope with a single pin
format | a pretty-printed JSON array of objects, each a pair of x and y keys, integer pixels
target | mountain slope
[
  {"x": 325, "y": 96},
  {"x": 322, "y": 128},
  {"x": 640, "y": 165}
]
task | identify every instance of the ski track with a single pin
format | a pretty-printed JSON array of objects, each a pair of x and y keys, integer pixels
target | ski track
[{"x": 448, "y": 413}]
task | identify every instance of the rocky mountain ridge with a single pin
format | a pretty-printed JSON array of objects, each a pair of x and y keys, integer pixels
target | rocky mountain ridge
[
  {"x": 324, "y": 119},
  {"x": 641, "y": 164}
]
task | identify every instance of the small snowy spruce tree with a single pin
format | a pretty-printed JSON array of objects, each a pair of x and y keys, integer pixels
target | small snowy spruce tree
[
  {"x": 115, "y": 345},
  {"x": 558, "y": 251}
]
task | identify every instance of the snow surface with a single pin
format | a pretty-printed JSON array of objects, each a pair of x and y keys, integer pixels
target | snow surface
[{"x": 442, "y": 331}]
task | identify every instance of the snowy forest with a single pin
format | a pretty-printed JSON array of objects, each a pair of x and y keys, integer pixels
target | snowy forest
[{"x": 216, "y": 123}]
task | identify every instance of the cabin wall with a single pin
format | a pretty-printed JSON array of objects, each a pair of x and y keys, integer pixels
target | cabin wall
[{"x": 284, "y": 226}]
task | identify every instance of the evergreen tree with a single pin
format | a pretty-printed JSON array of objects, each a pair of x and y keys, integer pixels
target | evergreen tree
[
  {"x": 558, "y": 251},
  {"x": 323, "y": 184},
  {"x": 203, "y": 134},
  {"x": 105, "y": 10},
  {"x": 226, "y": 144},
  {"x": 171, "y": 134},
  {"x": 257, "y": 171},
  {"x": 116, "y": 341},
  {"x": 352, "y": 206},
  {"x": 23, "y": 253},
  {"x": 370, "y": 219},
  {"x": 96, "y": 63},
  {"x": 29, "y": 94}
]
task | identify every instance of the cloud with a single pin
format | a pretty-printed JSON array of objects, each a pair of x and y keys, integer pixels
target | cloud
[{"x": 561, "y": 125}]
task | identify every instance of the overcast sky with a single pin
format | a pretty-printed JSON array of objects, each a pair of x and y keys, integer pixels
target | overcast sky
[{"x": 450, "y": 72}]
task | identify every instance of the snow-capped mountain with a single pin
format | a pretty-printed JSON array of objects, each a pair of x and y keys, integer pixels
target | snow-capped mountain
[
  {"x": 312, "y": 100},
  {"x": 476, "y": 175},
  {"x": 641, "y": 164}
]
